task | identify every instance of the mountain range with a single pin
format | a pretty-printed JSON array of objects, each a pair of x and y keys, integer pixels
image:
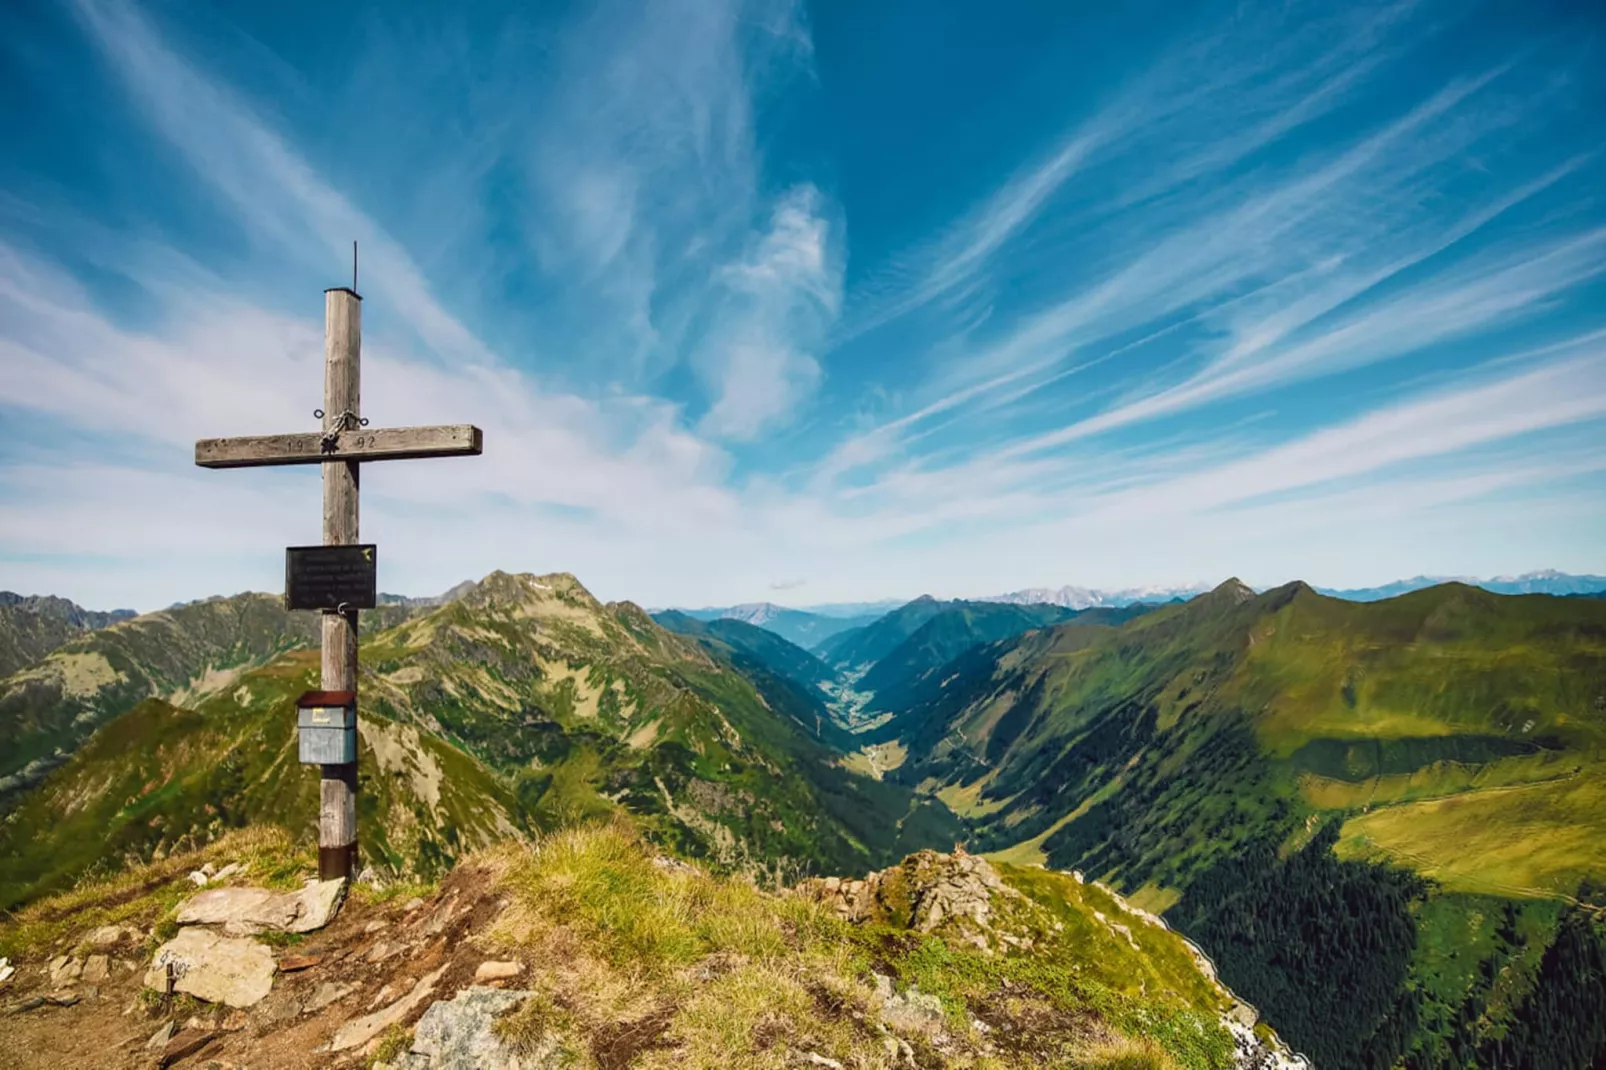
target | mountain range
[
  {"x": 806, "y": 628},
  {"x": 32, "y": 626},
  {"x": 1384, "y": 820},
  {"x": 524, "y": 703},
  {"x": 793, "y": 623}
]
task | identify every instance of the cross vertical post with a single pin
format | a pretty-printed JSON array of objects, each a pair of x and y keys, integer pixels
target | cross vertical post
[{"x": 342, "y": 402}]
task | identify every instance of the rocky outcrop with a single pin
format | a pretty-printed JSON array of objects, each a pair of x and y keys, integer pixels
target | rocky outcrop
[{"x": 925, "y": 892}]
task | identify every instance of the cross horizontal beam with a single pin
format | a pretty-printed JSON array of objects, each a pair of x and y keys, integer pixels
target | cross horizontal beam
[{"x": 364, "y": 444}]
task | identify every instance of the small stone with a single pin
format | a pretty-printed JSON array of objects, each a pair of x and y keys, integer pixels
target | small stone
[
  {"x": 65, "y": 971},
  {"x": 96, "y": 970},
  {"x": 6, "y": 970},
  {"x": 160, "y": 1038},
  {"x": 292, "y": 963},
  {"x": 245, "y": 910},
  {"x": 62, "y": 999},
  {"x": 187, "y": 1043},
  {"x": 375, "y": 926},
  {"x": 226, "y": 872},
  {"x": 208, "y": 870},
  {"x": 198, "y": 879},
  {"x": 412, "y": 904},
  {"x": 218, "y": 969},
  {"x": 108, "y": 937},
  {"x": 326, "y": 994},
  {"x": 497, "y": 971}
]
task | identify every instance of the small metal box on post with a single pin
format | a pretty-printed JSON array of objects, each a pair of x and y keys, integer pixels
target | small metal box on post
[{"x": 326, "y": 723}]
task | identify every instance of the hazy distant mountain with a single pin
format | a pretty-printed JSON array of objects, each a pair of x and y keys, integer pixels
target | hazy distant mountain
[
  {"x": 451, "y": 595},
  {"x": 804, "y": 628},
  {"x": 31, "y": 626},
  {"x": 1088, "y": 597},
  {"x": 777, "y": 655},
  {"x": 1548, "y": 581},
  {"x": 896, "y": 678},
  {"x": 866, "y": 645}
]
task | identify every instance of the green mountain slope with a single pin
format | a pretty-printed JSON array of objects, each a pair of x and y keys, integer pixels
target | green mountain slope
[
  {"x": 183, "y": 653},
  {"x": 161, "y": 779},
  {"x": 31, "y": 627},
  {"x": 1448, "y": 734},
  {"x": 541, "y": 705},
  {"x": 862, "y": 647},
  {"x": 49, "y": 708},
  {"x": 589, "y": 706},
  {"x": 776, "y": 654},
  {"x": 897, "y": 678},
  {"x": 798, "y": 626}
]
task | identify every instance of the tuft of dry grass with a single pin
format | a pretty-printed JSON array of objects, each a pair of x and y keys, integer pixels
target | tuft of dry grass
[
  {"x": 1125, "y": 1053},
  {"x": 145, "y": 895}
]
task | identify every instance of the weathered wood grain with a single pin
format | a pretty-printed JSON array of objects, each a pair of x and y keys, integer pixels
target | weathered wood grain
[
  {"x": 337, "y": 811},
  {"x": 365, "y": 444}
]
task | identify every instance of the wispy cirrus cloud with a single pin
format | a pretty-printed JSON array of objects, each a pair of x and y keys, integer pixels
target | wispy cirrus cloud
[
  {"x": 1265, "y": 301},
  {"x": 1251, "y": 85},
  {"x": 650, "y": 189},
  {"x": 1269, "y": 277}
]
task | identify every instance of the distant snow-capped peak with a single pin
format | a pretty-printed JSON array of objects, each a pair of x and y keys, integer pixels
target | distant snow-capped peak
[{"x": 1072, "y": 597}]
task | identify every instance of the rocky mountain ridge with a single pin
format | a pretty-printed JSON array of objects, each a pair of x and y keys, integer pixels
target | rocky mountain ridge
[{"x": 31, "y": 626}]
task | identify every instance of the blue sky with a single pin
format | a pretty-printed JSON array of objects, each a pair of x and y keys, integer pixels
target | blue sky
[{"x": 811, "y": 303}]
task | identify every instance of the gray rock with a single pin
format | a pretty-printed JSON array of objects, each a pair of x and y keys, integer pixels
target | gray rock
[
  {"x": 65, "y": 970},
  {"x": 109, "y": 937},
  {"x": 456, "y": 1034},
  {"x": 246, "y": 910},
  {"x": 217, "y": 969},
  {"x": 326, "y": 994},
  {"x": 96, "y": 969}
]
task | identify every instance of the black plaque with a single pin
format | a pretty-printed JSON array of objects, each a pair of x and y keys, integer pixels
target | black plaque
[{"x": 331, "y": 577}]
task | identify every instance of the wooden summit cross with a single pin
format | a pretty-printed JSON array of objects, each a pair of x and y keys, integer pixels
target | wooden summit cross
[{"x": 343, "y": 444}]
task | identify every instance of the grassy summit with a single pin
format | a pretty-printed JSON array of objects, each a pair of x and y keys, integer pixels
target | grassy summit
[{"x": 621, "y": 957}]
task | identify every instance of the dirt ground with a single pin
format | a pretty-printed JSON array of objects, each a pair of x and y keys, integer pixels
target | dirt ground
[{"x": 378, "y": 952}]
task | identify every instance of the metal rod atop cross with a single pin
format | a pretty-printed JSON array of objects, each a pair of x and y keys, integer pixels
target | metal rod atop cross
[{"x": 342, "y": 445}]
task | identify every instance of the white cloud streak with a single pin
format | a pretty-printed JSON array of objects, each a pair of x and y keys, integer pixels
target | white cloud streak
[{"x": 1224, "y": 276}]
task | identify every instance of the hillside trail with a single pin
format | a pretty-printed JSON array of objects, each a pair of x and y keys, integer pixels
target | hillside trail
[{"x": 371, "y": 957}]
